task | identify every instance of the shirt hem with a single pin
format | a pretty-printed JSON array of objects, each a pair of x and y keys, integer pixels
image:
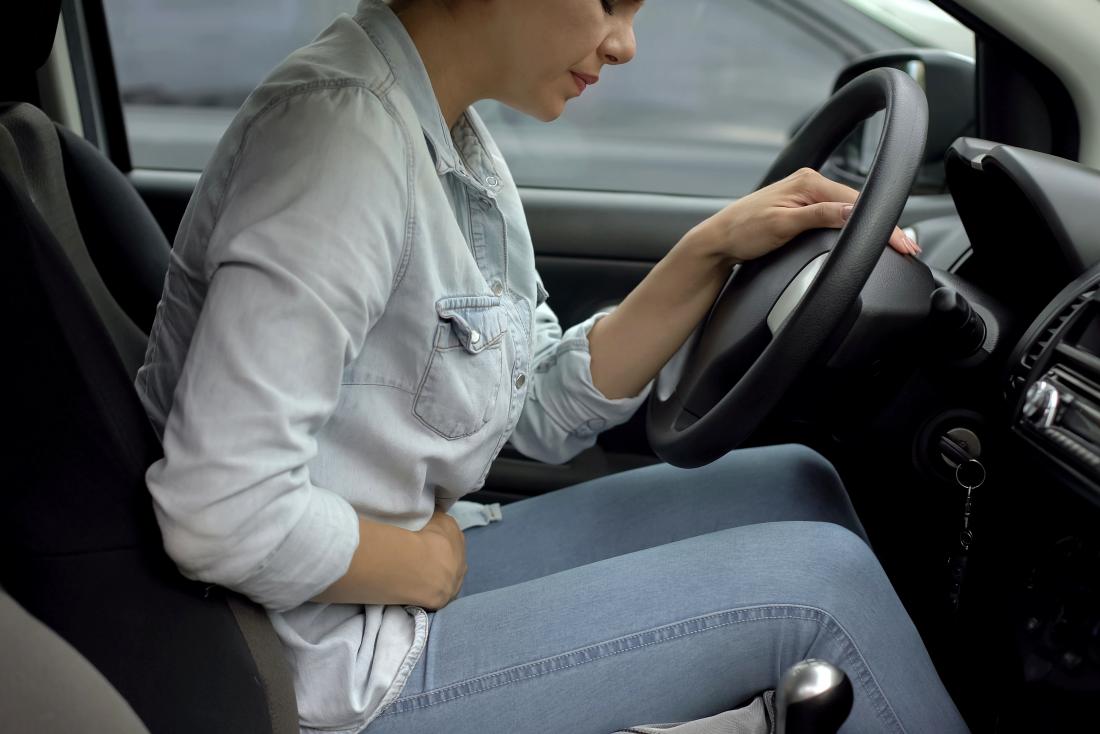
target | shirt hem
[{"x": 420, "y": 641}]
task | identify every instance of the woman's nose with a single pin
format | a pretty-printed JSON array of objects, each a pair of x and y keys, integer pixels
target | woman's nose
[{"x": 619, "y": 47}]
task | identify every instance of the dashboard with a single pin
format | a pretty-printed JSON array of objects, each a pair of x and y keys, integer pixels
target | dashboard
[
  {"x": 1033, "y": 221},
  {"x": 1034, "y": 224}
]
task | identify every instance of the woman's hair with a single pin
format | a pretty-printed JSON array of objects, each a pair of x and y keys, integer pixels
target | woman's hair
[
  {"x": 399, "y": 5},
  {"x": 404, "y": 3}
]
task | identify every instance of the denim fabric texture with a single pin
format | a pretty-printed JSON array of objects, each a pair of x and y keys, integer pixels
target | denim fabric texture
[
  {"x": 351, "y": 325},
  {"x": 664, "y": 595}
]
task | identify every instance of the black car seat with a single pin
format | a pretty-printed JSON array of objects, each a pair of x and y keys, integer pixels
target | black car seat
[{"x": 79, "y": 545}]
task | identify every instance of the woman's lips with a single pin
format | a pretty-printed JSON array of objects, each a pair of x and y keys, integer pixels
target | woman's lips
[{"x": 581, "y": 83}]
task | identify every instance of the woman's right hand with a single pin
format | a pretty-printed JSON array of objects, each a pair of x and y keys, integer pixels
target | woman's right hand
[{"x": 445, "y": 548}]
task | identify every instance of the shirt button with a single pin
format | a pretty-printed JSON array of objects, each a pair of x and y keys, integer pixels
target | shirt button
[
  {"x": 520, "y": 381},
  {"x": 498, "y": 288},
  {"x": 475, "y": 336},
  {"x": 491, "y": 181}
]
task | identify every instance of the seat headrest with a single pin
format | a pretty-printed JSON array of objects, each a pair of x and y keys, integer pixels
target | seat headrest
[{"x": 27, "y": 30}]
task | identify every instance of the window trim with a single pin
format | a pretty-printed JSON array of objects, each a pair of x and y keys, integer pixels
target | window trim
[
  {"x": 1005, "y": 74},
  {"x": 95, "y": 78}
]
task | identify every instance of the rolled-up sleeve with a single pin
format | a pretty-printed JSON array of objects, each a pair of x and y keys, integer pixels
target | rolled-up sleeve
[
  {"x": 298, "y": 270},
  {"x": 565, "y": 411}
]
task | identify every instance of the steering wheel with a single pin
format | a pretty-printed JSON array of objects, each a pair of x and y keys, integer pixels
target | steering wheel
[{"x": 776, "y": 314}]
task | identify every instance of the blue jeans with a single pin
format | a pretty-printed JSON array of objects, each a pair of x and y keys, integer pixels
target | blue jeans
[{"x": 664, "y": 594}]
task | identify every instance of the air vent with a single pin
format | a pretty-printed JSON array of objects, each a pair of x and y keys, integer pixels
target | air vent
[
  {"x": 1032, "y": 354},
  {"x": 1043, "y": 339}
]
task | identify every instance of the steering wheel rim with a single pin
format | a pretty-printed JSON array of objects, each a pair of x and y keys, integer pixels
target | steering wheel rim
[{"x": 685, "y": 438}]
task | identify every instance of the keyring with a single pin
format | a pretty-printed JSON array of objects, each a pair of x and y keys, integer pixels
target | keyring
[{"x": 978, "y": 466}]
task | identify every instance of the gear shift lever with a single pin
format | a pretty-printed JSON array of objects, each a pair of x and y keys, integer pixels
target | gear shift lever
[{"x": 813, "y": 697}]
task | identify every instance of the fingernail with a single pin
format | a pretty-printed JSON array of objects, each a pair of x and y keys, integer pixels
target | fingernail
[
  {"x": 912, "y": 243},
  {"x": 846, "y": 212}
]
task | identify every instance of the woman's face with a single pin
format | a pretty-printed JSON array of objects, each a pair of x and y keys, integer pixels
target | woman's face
[{"x": 542, "y": 45}]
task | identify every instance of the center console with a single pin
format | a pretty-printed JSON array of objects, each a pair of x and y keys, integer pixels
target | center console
[
  {"x": 1054, "y": 383},
  {"x": 1053, "y": 386}
]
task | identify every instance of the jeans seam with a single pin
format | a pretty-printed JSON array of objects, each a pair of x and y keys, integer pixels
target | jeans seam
[
  {"x": 866, "y": 678},
  {"x": 766, "y": 612}
]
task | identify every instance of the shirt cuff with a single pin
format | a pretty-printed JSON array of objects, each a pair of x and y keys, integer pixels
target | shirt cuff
[
  {"x": 316, "y": 553},
  {"x": 575, "y": 363}
]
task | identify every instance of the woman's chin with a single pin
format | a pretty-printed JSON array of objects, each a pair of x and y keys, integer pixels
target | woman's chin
[
  {"x": 546, "y": 109},
  {"x": 552, "y": 110}
]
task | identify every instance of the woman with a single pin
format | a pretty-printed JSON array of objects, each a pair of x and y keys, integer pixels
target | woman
[{"x": 351, "y": 328}]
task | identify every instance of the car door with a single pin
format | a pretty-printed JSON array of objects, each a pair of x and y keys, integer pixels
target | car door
[{"x": 692, "y": 123}]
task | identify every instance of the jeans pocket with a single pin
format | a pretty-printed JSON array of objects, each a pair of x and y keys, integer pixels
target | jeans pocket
[{"x": 458, "y": 394}]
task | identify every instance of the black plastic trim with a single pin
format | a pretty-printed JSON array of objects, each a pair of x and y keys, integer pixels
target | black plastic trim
[
  {"x": 72, "y": 15},
  {"x": 115, "y": 143},
  {"x": 1006, "y": 73}
]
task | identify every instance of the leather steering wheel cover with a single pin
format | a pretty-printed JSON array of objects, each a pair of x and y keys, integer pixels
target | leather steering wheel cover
[{"x": 858, "y": 249}]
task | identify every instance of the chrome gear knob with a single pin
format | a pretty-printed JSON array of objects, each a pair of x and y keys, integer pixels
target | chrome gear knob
[{"x": 813, "y": 697}]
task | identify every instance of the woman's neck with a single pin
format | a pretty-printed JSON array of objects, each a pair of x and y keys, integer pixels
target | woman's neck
[{"x": 453, "y": 53}]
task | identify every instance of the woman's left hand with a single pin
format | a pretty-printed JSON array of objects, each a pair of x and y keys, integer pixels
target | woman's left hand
[{"x": 766, "y": 219}]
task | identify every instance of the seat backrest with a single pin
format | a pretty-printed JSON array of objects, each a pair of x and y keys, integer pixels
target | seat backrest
[
  {"x": 30, "y": 156},
  {"x": 79, "y": 545},
  {"x": 126, "y": 245},
  {"x": 115, "y": 244}
]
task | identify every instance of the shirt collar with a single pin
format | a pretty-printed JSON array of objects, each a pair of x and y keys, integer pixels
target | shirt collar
[{"x": 393, "y": 40}]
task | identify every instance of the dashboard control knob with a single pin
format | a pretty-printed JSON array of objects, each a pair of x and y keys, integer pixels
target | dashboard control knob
[{"x": 1041, "y": 403}]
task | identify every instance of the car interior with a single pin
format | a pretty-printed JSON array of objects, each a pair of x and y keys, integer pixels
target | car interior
[{"x": 957, "y": 392}]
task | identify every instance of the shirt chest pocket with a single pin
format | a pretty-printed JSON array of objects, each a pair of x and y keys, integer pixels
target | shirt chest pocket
[{"x": 458, "y": 393}]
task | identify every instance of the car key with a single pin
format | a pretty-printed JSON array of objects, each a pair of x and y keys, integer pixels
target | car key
[{"x": 969, "y": 475}]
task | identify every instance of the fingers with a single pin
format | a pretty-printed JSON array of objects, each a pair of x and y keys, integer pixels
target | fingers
[
  {"x": 903, "y": 244},
  {"x": 834, "y": 205},
  {"x": 834, "y": 214},
  {"x": 822, "y": 189},
  {"x": 817, "y": 216}
]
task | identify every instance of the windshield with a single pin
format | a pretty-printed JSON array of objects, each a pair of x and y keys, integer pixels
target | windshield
[{"x": 921, "y": 22}]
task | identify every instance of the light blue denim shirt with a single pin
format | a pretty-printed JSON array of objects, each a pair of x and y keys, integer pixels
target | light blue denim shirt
[{"x": 351, "y": 324}]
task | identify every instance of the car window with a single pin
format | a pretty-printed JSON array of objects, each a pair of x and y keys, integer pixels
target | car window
[
  {"x": 184, "y": 68},
  {"x": 712, "y": 96},
  {"x": 923, "y": 23}
]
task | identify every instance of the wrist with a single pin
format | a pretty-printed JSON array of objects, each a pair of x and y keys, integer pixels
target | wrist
[
  {"x": 385, "y": 569},
  {"x": 420, "y": 588},
  {"x": 704, "y": 241}
]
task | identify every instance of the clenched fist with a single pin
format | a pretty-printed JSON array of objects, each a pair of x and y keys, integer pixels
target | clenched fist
[{"x": 445, "y": 550}]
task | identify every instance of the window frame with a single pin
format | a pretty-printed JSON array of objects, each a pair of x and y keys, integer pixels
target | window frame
[{"x": 95, "y": 79}]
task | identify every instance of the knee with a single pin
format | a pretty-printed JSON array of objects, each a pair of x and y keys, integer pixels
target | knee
[
  {"x": 836, "y": 566},
  {"x": 803, "y": 474},
  {"x": 839, "y": 548},
  {"x": 815, "y": 564},
  {"x": 811, "y": 469}
]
